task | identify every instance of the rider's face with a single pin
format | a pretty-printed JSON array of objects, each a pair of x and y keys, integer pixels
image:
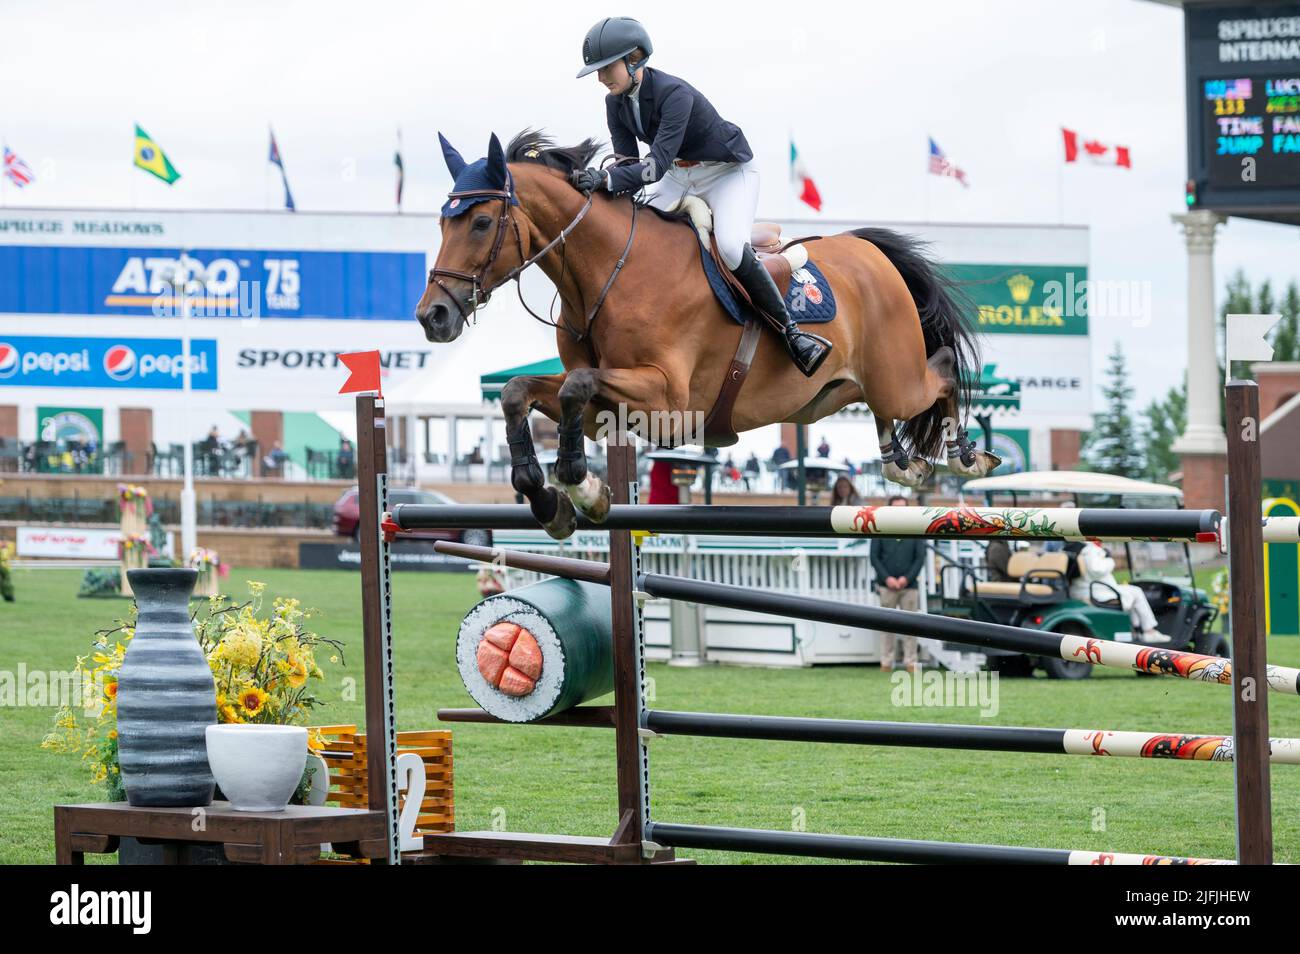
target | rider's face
[{"x": 614, "y": 77}]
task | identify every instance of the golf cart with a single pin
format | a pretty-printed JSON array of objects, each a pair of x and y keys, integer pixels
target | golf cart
[{"x": 1036, "y": 590}]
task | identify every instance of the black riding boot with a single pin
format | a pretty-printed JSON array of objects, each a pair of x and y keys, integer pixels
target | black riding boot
[{"x": 807, "y": 350}]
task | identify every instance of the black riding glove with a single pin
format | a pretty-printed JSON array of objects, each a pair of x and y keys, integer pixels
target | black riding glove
[{"x": 588, "y": 180}]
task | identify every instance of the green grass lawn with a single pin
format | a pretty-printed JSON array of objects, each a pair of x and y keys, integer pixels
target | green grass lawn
[{"x": 562, "y": 780}]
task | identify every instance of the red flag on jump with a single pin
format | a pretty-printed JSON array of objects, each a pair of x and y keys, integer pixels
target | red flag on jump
[{"x": 364, "y": 366}]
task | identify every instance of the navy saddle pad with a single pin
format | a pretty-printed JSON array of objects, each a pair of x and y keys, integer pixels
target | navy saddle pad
[{"x": 809, "y": 299}]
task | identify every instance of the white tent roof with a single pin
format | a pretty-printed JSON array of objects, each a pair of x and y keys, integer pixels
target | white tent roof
[{"x": 1068, "y": 482}]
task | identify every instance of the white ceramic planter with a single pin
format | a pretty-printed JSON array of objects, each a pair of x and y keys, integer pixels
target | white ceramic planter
[{"x": 257, "y": 767}]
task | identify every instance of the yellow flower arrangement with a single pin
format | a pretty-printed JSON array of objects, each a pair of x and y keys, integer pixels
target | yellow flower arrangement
[{"x": 263, "y": 664}]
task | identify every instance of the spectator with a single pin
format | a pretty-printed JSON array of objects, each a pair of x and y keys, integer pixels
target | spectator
[
  {"x": 346, "y": 460},
  {"x": 1097, "y": 566},
  {"x": 897, "y": 564},
  {"x": 844, "y": 494},
  {"x": 273, "y": 463},
  {"x": 996, "y": 557},
  {"x": 752, "y": 470},
  {"x": 662, "y": 488},
  {"x": 210, "y": 446},
  {"x": 824, "y": 448}
]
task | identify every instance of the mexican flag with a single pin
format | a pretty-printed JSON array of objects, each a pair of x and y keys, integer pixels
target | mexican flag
[
  {"x": 150, "y": 157},
  {"x": 804, "y": 188}
]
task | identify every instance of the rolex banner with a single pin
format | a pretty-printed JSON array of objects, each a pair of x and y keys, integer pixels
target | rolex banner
[{"x": 1036, "y": 299}]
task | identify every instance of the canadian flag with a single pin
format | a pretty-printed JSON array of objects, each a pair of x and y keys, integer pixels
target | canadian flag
[{"x": 1098, "y": 152}]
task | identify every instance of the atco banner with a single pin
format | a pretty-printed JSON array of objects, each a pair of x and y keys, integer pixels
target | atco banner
[
  {"x": 222, "y": 283},
  {"x": 151, "y": 363}
]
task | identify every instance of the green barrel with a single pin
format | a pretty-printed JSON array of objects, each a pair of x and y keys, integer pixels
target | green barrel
[{"x": 571, "y": 622}]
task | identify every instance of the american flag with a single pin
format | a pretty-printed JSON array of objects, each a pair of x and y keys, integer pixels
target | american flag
[
  {"x": 941, "y": 165},
  {"x": 17, "y": 171}
]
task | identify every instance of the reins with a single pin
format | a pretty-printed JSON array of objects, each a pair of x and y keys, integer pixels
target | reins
[{"x": 476, "y": 277}]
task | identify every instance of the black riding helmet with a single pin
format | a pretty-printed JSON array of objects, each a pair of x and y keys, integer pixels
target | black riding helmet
[{"x": 612, "y": 39}]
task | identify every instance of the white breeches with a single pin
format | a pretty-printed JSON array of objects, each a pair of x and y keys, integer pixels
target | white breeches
[
  {"x": 729, "y": 189},
  {"x": 1139, "y": 610}
]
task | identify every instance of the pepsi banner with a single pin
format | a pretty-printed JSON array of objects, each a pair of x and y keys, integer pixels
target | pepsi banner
[
  {"x": 219, "y": 283},
  {"x": 151, "y": 363}
]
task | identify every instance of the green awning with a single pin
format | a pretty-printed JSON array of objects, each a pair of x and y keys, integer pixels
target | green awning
[{"x": 492, "y": 383}]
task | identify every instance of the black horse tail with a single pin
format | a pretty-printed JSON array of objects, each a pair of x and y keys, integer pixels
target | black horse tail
[{"x": 943, "y": 308}]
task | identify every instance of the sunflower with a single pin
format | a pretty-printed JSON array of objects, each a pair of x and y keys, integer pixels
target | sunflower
[
  {"x": 110, "y": 690},
  {"x": 298, "y": 673},
  {"x": 251, "y": 700}
]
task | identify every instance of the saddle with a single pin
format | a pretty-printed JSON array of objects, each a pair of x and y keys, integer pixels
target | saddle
[{"x": 780, "y": 261}]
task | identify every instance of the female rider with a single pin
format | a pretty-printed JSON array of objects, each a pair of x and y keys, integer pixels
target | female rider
[{"x": 693, "y": 151}]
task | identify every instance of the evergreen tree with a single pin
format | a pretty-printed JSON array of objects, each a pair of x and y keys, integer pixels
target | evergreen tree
[
  {"x": 1286, "y": 336},
  {"x": 1112, "y": 445},
  {"x": 1165, "y": 421}
]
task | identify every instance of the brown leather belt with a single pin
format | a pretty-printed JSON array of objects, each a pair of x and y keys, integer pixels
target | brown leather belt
[{"x": 686, "y": 163}]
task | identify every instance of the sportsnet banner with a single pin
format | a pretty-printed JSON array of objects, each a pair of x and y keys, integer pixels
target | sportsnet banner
[
  {"x": 125, "y": 363},
  {"x": 236, "y": 283}
]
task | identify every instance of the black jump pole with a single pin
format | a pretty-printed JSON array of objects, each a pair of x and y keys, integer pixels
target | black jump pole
[
  {"x": 939, "y": 523},
  {"x": 987, "y": 738},
  {"x": 905, "y": 851}
]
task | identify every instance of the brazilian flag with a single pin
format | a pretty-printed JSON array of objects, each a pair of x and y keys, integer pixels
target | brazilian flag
[{"x": 150, "y": 157}]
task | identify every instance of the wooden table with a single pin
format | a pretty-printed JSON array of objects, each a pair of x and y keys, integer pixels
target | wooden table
[{"x": 288, "y": 837}]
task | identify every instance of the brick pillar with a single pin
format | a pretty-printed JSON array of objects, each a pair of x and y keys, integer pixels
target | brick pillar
[
  {"x": 267, "y": 427},
  {"x": 135, "y": 425},
  {"x": 1065, "y": 449},
  {"x": 9, "y": 421},
  {"x": 1203, "y": 476}
]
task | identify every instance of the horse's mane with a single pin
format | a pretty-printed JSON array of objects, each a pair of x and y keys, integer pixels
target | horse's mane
[{"x": 533, "y": 145}]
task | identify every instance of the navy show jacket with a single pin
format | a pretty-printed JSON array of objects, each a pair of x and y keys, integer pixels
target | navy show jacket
[{"x": 679, "y": 123}]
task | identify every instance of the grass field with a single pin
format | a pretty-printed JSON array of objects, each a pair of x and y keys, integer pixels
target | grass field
[{"x": 562, "y": 780}]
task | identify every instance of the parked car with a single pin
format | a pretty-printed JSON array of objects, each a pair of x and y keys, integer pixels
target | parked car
[
  {"x": 1037, "y": 595},
  {"x": 347, "y": 515}
]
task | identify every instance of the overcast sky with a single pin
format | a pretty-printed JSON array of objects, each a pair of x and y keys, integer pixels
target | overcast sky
[{"x": 860, "y": 87}]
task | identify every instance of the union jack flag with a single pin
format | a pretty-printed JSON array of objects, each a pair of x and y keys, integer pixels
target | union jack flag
[
  {"x": 17, "y": 171},
  {"x": 941, "y": 165}
]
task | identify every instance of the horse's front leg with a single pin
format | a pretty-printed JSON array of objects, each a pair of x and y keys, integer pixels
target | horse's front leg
[
  {"x": 553, "y": 510},
  {"x": 586, "y": 490}
]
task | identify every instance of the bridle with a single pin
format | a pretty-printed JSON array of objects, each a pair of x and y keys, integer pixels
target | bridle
[{"x": 476, "y": 278}]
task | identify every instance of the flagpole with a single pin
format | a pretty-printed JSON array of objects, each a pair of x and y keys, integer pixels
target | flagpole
[{"x": 1060, "y": 192}]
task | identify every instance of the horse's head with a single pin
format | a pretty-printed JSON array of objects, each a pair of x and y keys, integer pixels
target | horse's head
[{"x": 476, "y": 254}]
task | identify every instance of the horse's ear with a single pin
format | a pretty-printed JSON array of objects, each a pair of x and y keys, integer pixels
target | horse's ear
[
  {"x": 453, "y": 159},
  {"x": 496, "y": 162}
]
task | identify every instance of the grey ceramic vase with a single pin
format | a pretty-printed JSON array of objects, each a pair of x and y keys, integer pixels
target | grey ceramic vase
[{"x": 166, "y": 697}]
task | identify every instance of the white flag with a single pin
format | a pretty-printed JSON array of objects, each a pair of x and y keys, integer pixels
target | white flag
[{"x": 1247, "y": 339}]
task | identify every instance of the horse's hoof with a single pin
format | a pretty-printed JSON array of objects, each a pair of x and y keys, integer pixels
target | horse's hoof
[
  {"x": 592, "y": 497},
  {"x": 982, "y": 464},
  {"x": 987, "y": 462},
  {"x": 916, "y": 473},
  {"x": 565, "y": 521}
]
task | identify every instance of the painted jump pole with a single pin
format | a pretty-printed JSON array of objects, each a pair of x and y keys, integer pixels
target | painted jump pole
[
  {"x": 1097, "y": 652},
  {"x": 1104, "y": 743},
  {"x": 1025, "y": 523}
]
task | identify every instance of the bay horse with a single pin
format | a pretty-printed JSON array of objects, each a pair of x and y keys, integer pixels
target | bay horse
[{"x": 644, "y": 340}]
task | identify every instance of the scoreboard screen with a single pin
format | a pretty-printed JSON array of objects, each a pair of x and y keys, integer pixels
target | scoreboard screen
[
  {"x": 1243, "y": 108},
  {"x": 1253, "y": 126}
]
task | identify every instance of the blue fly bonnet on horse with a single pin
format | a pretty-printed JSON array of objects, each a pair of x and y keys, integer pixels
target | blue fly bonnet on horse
[{"x": 486, "y": 173}]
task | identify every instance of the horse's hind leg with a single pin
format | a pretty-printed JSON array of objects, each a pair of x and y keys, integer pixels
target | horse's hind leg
[
  {"x": 589, "y": 492},
  {"x": 898, "y": 466},
  {"x": 963, "y": 456},
  {"x": 552, "y": 509}
]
